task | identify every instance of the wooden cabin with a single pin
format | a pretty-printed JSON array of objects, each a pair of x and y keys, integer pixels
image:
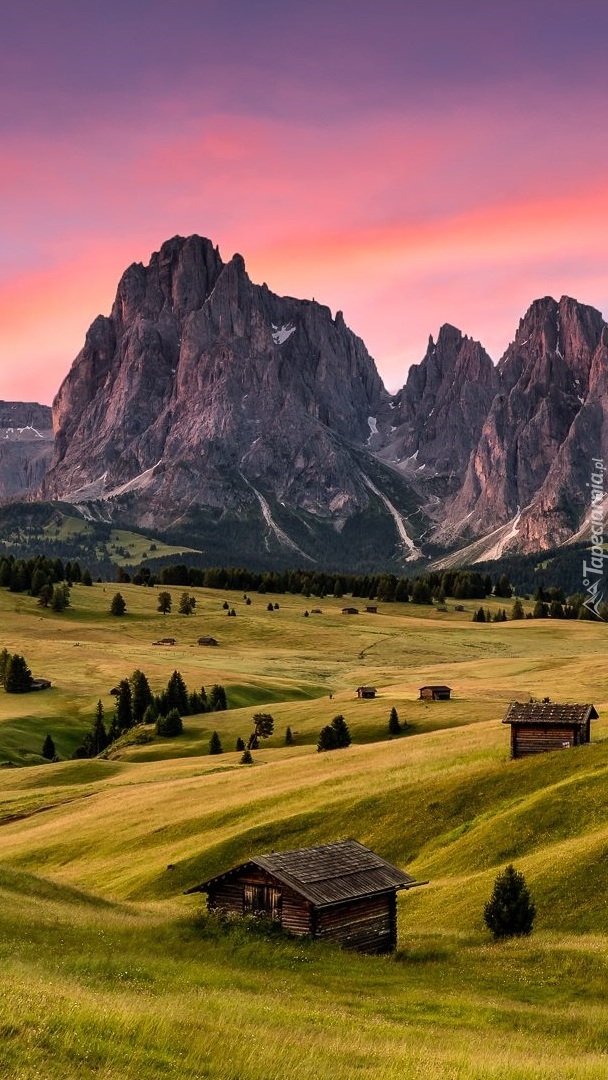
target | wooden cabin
[
  {"x": 366, "y": 691},
  {"x": 372, "y": 609},
  {"x": 207, "y": 641},
  {"x": 40, "y": 684},
  {"x": 540, "y": 726},
  {"x": 350, "y": 611},
  {"x": 339, "y": 892},
  {"x": 165, "y": 641},
  {"x": 435, "y": 693}
]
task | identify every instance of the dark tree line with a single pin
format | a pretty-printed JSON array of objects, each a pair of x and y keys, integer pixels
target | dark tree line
[{"x": 40, "y": 575}]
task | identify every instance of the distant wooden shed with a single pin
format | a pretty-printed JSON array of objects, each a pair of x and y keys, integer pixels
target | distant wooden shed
[
  {"x": 366, "y": 691},
  {"x": 165, "y": 641},
  {"x": 537, "y": 727},
  {"x": 207, "y": 641},
  {"x": 40, "y": 684},
  {"x": 350, "y": 611},
  {"x": 340, "y": 892},
  {"x": 435, "y": 693},
  {"x": 372, "y": 609}
]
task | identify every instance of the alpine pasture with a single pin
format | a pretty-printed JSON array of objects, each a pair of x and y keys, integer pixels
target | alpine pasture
[{"x": 110, "y": 971}]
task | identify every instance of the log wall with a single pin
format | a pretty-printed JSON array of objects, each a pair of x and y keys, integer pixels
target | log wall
[
  {"x": 542, "y": 738},
  {"x": 368, "y": 925}
]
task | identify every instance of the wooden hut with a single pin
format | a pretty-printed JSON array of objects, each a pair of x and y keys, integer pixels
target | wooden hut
[
  {"x": 207, "y": 641},
  {"x": 540, "y": 726},
  {"x": 366, "y": 691},
  {"x": 372, "y": 609},
  {"x": 435, "y": 693},
  {"x": 350, "y": 611},
  {"x": 40, "y": 684},
  {"x": 339, "y": 892}
]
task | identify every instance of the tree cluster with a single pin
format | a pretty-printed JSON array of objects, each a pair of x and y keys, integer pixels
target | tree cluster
[
  {"x": 39, "y": 574},
  {"x": 334, "y": 736},
  {"x": 15, "y": 676}
]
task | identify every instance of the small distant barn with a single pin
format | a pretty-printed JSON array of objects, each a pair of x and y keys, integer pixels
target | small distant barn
[
  {"x": 350, "y": 610},
  {"x": 371, "y": 609},
  {"x": 435, "y": 693},
  {"x": 339, "y": 892},
  {"x": 40, "y": 684},
  {"x": 165, "y": 641},
  {"x": 540, "y": 726},
  {"x": 207, "y": 641},
  {"x": 366, "y": 691}
]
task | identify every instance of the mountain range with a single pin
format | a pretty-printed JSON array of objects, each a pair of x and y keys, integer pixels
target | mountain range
[{"x": 211, "y": 411}]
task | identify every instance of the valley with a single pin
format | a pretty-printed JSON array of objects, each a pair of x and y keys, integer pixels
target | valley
[{"x": 110, "y": 970}]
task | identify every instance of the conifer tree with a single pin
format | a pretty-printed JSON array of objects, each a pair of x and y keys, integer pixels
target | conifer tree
[
  {"x": 342, "y": 733},
  {"x": 99, "y": 735},
  {"x": 141, "y": 695},
  {"x": 164, "y": 603},
  {"x": 177, "y": 694},
  {"x": 394, "y": 726},
  {"x": 246, "y": 759},
  {"x": 217, "y": 698},
  {"x": 263, "y": 727},
  {"x": 124, "y": 709},
  {"x": 288, "y": 737},
  {"x": 328, "y": 739},
  {"x": 48, "y": 749},
  {"x": 510, "y": 911},
  {"x": 17, "y": 677},
  {"x": 169, "y": 725},
  {"x": 215, "y": 746},
  {"x": 118, "y": 606},
  {"x": 240, "y": 745}
]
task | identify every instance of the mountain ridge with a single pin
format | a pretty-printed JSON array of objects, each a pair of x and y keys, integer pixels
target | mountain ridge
[{"x": 205, "y": 400}]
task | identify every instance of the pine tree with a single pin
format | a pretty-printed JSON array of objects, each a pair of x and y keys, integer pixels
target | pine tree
[
  {"x": 164, "y": 603},
  {"x": 177, "y": 694},
  {"x": 99, "y": 735},
  {"x": 124, "y": 708},
  {"x": 4, "y": 659},
  {"x": 170, "y": 725},
  {"x": 510, "y": 910},
  {"x": 45, "y": 595},
  {"x": 328, "y": 739},
  {"x": 151, "y": 714},
  {"x": 394, "y": 726},
  {"x": 217, "y": 698},
  {"x": 288, "y": 737},
  {"x": 263, "y": 727},
  {"x": 118, "y": 606},
  {"x": 86, "y": 577},
  {"x": 141, "y": 695},
  {"x": 342, "y": 733},
  {"x": 246, "y": 758},
  {"x": 240, "y": 745},
  {"x": 187, "y": 604},
  {"x": 18, "y": 677},
  {"x": 48, "y": 749},
  {"x": 215, "y": 746}
]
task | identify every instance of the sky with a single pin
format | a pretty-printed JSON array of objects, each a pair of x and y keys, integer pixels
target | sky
[{"x": 409, "y": 162}]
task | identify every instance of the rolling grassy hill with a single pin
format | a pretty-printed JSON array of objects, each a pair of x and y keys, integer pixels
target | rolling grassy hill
[{"x": 109, "y": 970}]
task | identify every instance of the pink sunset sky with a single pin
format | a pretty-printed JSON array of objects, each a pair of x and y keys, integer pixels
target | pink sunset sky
[{"x": 409, "y": 163}]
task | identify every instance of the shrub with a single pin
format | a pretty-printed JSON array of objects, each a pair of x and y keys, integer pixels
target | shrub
[{"x": 510, "y": 910}]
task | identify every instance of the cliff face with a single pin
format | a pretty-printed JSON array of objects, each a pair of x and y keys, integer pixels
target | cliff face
[
  {"x": 531, "y": 464},
  {"x": 26, "y": 445},
  {"x": 204, "y": 394},
  {"x": 203, "y": 390},
  {"x": 439, "y": 414}
]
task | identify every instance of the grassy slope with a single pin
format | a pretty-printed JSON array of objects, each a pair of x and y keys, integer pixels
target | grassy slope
[{"x": 105, "y": 969}]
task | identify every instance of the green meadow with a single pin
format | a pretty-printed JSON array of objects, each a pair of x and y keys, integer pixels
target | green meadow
[{"x": 109, "y": 970}]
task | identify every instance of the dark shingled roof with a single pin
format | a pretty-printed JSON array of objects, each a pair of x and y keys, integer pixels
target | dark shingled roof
[
  {"x": 540, "y": 712},
  {"x": 431, "y": 686},
  {"x": 328, "y": 874}
]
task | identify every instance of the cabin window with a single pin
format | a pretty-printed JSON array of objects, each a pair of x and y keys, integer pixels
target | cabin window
[{"x": 262, "y": 900}]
